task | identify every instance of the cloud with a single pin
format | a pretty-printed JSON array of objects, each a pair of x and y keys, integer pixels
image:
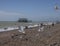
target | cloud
[{"x": 4, "y": 13}]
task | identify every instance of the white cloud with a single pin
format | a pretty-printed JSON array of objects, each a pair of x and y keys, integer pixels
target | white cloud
[
  {"x": 4, "y": 13},
  {"x": 5, "y": 16}
]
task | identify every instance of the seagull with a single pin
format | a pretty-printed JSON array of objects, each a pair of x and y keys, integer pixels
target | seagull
[
  {"x": 56, "y": 7},
  {"x": 21, "y": 29}
]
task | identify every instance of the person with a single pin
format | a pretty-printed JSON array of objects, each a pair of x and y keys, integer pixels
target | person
[
  {"x": 41, "y": 24},
  {"x": 52, "y": 24}
]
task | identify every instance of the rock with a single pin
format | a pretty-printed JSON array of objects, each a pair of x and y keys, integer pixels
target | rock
[
  {"x": 26, "y": 27},
  {"x": 12, "y": 36},
  {"x": 54, "y": 44}
]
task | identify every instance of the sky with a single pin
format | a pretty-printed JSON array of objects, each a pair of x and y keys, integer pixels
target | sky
[{"x": 36, "y": 10}]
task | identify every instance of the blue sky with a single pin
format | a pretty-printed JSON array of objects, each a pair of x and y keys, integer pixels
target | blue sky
[{"x": 37, "y": 10}]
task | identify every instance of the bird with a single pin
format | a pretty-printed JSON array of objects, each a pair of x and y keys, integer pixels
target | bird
[{"x": 56, "y": 7}]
